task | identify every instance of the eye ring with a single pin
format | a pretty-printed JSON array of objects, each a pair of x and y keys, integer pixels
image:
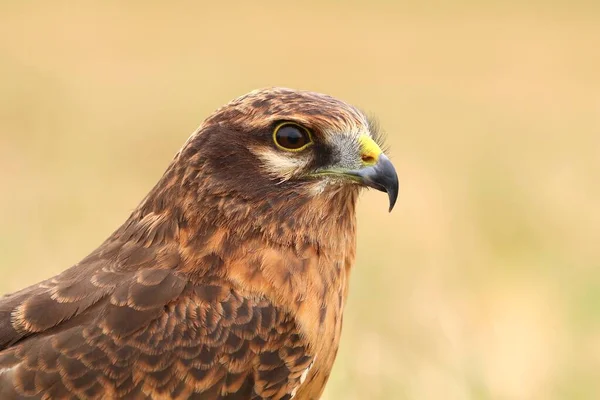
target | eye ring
[{"x": 290, "y": 136}]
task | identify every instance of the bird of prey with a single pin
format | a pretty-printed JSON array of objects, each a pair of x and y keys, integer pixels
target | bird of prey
[{"x": 228, "y": 281}]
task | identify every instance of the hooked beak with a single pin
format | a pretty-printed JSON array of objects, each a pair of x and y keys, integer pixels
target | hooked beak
[
  {"x": 381, "y": 176},
  {"x": 376, "y": 170}
]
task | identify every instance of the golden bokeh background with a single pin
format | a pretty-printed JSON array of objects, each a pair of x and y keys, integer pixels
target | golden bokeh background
[{"x": 484, "y": 282}]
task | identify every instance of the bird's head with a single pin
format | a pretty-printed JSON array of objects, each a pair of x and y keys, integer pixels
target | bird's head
[{"x": 283, "y": 143}]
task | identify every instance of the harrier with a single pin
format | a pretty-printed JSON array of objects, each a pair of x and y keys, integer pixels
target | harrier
[{"x": 228, "y": 281}]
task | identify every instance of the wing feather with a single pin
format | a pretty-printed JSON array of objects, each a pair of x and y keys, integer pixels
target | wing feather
[{"x": 156, "y": 334}]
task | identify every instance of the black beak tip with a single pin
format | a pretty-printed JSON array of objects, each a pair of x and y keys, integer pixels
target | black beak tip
[
  {"x": 393, "y": 195},
  {"x": 391, "y": 186}
]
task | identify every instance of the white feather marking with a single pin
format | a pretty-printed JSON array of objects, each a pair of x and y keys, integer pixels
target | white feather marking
[
  {"x": 279, "y": 164},
  {"x": 303, "y": 377},
  {"x": 318, "y": 187},
  {"x": 9, "y": 370},
  {"x": 305, "y": 373}
]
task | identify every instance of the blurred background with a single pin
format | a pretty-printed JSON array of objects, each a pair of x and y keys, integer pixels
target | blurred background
[{"x": 484, "y": 283}]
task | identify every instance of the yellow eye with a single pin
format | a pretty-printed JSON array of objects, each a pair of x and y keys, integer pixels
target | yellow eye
[{"x": 291, "y": 137}]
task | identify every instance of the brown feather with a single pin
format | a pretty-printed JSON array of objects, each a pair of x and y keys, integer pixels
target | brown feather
[{"x": 225, "y": 283}]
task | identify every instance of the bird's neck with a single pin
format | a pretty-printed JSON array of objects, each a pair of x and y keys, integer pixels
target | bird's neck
[
  {"x": 193, "y": 214},
  {"x": 296, "y": 251},
  {"x": 285, "y": 219}
]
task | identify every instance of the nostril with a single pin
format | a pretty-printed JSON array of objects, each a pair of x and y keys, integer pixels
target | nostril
[{"x": 368, "y": 159}]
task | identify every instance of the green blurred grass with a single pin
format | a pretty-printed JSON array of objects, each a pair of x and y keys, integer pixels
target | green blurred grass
[{"x": 484, "y": 283}]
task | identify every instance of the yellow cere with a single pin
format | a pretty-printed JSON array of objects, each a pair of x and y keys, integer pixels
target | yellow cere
[{"x": 369, "y": 150}]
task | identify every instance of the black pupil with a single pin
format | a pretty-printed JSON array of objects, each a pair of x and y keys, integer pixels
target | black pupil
[{"x": 291, "y": 137}]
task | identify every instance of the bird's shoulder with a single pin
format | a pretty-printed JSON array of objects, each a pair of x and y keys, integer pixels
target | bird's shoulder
[{"x": 100, "y": 329}]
